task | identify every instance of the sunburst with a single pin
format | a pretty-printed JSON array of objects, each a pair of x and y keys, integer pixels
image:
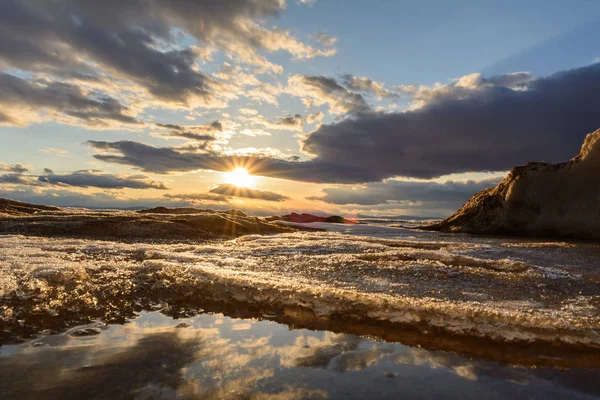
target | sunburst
[{"x": 240, "y": 178}]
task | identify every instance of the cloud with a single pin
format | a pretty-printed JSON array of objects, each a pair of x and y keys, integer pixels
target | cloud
[
  {"x": 69, "y": 198},
  {"x": 140, "y": 42},
  {"x": 321, "y": 90},
  {"x": 474, "y": 124},
  {"x": 170, "y": 76},
  {"x": 83, "y": 179},
  {"x": 70, "y": 103},
  {"x": 198, "y": 197},
  {"x": 464, "y": 87},
  {"x": 265, "y": 93},
  {"x": 289, "y": 122},
  {"x": 199, "y": 133},
  {"x": 18, "y": 179},
  {"x": 92, "y": 178},
  {"x": 235, "y": 82},
  {"x": 14, "y": 168},
  {"x": 77, "y": 30},
  {"x": 367, "y": 85},
  {"x": 325, "y": 39},
  {"x": 163, "y": 160},
  {"x": 294, "y": 122},
  {"x": 451, "y": 194},
  {"x": 247, "y": 111},
  {"x": 5, "y": 119},
  {"x": 313, "y": 118},
  {"x": 260, "y": 152},
  {"x": 95, "y": 61},
  {"x": 236, "y": 191},
  {"x": 56, "y": 152}
]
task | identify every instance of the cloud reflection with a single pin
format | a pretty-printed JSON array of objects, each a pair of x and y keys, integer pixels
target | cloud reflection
[{"x": 211, "y": 357}]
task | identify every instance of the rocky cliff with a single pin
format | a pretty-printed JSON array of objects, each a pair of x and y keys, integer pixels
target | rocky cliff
[{"x": 538, "y": 199}]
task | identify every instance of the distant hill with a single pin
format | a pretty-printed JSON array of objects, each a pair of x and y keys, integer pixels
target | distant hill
[
  {"x": 160, "y": 223},
  {"x": 189, "y": 210},
  {"x": 308, "y": 218},
  {"x": 8, "y": 206}
]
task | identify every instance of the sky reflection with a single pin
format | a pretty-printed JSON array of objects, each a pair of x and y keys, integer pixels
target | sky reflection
[{"x": 213, "y": 356}]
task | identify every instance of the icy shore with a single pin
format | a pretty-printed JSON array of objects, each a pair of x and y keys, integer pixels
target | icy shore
[{"x": 425, "y": 290}]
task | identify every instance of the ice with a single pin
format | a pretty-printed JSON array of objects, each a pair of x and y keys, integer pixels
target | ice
[{"x": 450, "y": 286}]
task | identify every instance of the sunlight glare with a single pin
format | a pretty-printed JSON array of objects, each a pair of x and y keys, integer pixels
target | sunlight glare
[{"x": 240, "y": 177}]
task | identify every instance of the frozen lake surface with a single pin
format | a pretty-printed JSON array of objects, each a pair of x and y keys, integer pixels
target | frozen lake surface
[{"x": 361, "y": 310}]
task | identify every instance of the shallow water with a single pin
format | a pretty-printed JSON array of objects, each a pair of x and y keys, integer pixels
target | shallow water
[{"x": 214, "y": 356}]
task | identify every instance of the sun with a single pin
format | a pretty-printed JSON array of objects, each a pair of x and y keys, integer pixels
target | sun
[{"x": 240, "y": 178}]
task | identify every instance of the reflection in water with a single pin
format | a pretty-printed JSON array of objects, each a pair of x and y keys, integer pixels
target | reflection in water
[{"x": 212, "y": 356}]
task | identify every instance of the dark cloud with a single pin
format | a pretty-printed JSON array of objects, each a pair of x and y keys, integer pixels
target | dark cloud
[
  {"x": 17, "y": 94},
  {"x": 84, "y": 179},
  {"x": 140, "y": 41},
  {"x": 52, "y": 38},
  {"x": 292, "y": 120},
  {"x": 199, "y": 133},
  {"x": 509, "y": 80},
  {"x": 162, "y": 160},
  {"x": 29, "y": 40},
  {"x": 288, "y": 122},
  {"x": 5, "y": 119},
  {"x": 236, "y": 191},
  {"x": 451, "y": 193},
  {"x": 15, "y": 168},
  {"x": 91, "y": 178},
  {"x": 168, "y": 75},
  {"x": 209, "y": 21},
  {"x": 18, "y": 179},
  {"x": 472, "y": 125},
  {"x": 213, "y": 126},
  {"x": 319, "y": 90},
  {"x": 69, "y": 198}
]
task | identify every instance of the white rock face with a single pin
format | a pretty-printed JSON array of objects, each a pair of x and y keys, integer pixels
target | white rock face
[{"x": 538, "y": 199}]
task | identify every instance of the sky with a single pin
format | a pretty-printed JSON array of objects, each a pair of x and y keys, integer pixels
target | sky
[{"x": 351, "y": 107}]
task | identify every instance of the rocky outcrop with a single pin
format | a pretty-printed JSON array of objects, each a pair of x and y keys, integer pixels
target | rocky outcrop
[
  {"x": 538, "y": 199},
  {"x": 305, "y": 218},
  {"x": 161, "y": 223}
]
